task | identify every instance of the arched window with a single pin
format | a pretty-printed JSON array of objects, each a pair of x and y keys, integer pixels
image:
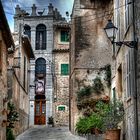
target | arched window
[
  {"x": 27, "y": 31},
  {"x": 41, "y": 37},
  {"x": 40, "y": 66}
]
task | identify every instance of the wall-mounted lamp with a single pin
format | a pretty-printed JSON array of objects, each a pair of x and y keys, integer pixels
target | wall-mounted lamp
[{"x": 111, "y": 31}]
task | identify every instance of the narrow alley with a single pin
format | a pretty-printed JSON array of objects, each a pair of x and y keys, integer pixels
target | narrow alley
[
  {"x": 48, "y": 133},
  {"x": 69, "y": 69}
]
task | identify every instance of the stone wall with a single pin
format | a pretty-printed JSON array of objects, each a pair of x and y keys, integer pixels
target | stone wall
[
  {"x": 89, "y": 48},
  {"x": 137, "y": 31},
  {"x": 3, "y": 88},
  {"x": 61, "y": 86}
]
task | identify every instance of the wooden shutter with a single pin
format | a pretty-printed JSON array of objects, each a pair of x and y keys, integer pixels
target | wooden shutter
[{"x": 64, "y": 69}]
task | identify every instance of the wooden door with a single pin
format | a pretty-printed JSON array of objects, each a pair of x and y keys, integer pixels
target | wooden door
[{"x": 40, "y": 112}]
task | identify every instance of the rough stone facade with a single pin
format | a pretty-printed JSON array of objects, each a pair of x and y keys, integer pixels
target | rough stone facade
[
  {"x": 123, "y": 82},
  {"x": 137, "y": 36},
  {"x": 61, "y": 82},
  {"x": 6, "y": 43},
  {"x": 18, "y": 78},
  {"x": 33, "y": 21},
  {"x": 3, "y": 87},
  {"x": 89, "y": 50}
]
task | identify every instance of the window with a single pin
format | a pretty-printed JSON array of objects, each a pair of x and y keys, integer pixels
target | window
[
  {"x": 64, "y": 69},
  {"x": 119, "y": 81},
  {"x": 130, "y": 81},
  {"x": 64, "y": 36},
  {"x": 40, "y": 66},
  {"x": 41, "y": 37},
  {"x": 27, "y": 31},
  {"x": 128, "y": 12},
  {"x": 24, "y": 73},
  {"x": 114, "y": 95},
  {"x": 61, "y": 108}
]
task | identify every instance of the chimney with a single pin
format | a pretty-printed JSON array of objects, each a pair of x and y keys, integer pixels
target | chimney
[
  {"x": 56, "y": 13},
  {"x": 33, "y": 10},
  {"x": 17, "y": 10},
  {"x": 50, "y": 9}
]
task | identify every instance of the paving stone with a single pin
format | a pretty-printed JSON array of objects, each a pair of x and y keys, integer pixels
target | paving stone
[{"x": 48, "y": 133}]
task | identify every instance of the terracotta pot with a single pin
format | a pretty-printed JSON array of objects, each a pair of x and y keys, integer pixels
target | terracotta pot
[
  {"x": 112, "y": 134},
  {"x": 96, "y": 131}
]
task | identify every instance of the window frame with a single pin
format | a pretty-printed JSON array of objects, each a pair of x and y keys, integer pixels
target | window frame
[{"x": 41, "y": 30}]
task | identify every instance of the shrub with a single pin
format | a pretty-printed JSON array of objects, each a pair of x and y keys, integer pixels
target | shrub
[
  {"x": 97, "y": 85},
  {"x": 86, "y": 91},
  {"x": 9, "y": 134},
  {"x": 88, "y": 124}
]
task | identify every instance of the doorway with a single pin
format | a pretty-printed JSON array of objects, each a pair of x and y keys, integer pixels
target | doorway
[{"x": 40, "y": 111}]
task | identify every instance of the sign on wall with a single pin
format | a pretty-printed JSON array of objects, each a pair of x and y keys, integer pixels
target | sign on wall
[{"x": 39, "y": 86}]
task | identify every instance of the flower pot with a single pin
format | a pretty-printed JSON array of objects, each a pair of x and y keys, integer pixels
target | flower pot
[{"x": 112, "y": 134}]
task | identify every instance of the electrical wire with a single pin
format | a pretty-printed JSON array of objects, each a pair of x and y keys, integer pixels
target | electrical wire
[{"x": 106, "y": 13}]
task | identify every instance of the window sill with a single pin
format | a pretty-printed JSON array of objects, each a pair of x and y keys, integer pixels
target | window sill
[
  {"x": 65, "y": 75},
  {"x": 62, "y": 43}
]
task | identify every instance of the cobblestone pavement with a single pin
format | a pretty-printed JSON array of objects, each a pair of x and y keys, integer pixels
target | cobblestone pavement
[{"x": 48, "y": 133}]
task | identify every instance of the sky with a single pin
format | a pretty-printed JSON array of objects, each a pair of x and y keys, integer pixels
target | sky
[{"x": 9, "y": 7}]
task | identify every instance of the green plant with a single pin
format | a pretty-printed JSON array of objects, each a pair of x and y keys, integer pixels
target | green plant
[
  {"x": 9, "y": 134},
  {"x": 85, "y": 91},
  {"x": 12, "y": 116},
  {"x": 107, "y": 78},
  {"x": 97, "y": 85},
  {"x": 94, "y": 120},
  {"x": 113, "y": 115},
  {"x": 50, "y": 120}
]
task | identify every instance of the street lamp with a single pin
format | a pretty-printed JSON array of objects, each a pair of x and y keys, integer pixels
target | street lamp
[{"x": 111, "y": 31}]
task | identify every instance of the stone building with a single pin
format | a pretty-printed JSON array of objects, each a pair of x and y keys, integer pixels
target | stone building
[
  {"x": 6, "y": 43},
  {"x": 61, "y": 73},
  {"x": 18, "y": 80},
  {"x": 90, "y": 53},
  {"x": 39, "y": 27},
  {"x": 124, "y": 65}
]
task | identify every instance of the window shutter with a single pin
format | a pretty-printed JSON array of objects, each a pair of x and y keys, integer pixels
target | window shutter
[
  {"x": 64, "y": 36},
  {"x": 61, "y": 108},
  {"x": 64, "y": 69}
]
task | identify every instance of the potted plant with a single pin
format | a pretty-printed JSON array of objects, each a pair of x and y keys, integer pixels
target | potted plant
[
  {"x": 112, "y": 117},
  {"x": 93, "y": 122},
  {"x": 51, "y": 121}
]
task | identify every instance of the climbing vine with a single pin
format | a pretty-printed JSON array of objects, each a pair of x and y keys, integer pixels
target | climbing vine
[
  {"x": 108, "y": 75},
  {"x": 12, "y": 117},
  {"x": 97, "y": 85}
]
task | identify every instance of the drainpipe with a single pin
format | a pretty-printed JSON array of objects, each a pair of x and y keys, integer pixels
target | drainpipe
[{"x": 135, "y": 76}]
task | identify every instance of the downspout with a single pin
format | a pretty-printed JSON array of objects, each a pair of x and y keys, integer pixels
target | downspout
[{"x": 135, "y": 76}]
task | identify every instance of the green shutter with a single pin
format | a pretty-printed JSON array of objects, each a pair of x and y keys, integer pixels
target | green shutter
[
  {"x": 61, "y": 108},
  {"x": 64, "y": 36},
  {"x": 64, "y": 69}
]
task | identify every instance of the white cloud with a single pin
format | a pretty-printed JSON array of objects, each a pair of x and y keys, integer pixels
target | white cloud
[{"x": 9, "y": 6}]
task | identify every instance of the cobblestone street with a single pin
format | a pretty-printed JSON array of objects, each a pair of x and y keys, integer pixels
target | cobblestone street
[{"x": 48, "y": 133}]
